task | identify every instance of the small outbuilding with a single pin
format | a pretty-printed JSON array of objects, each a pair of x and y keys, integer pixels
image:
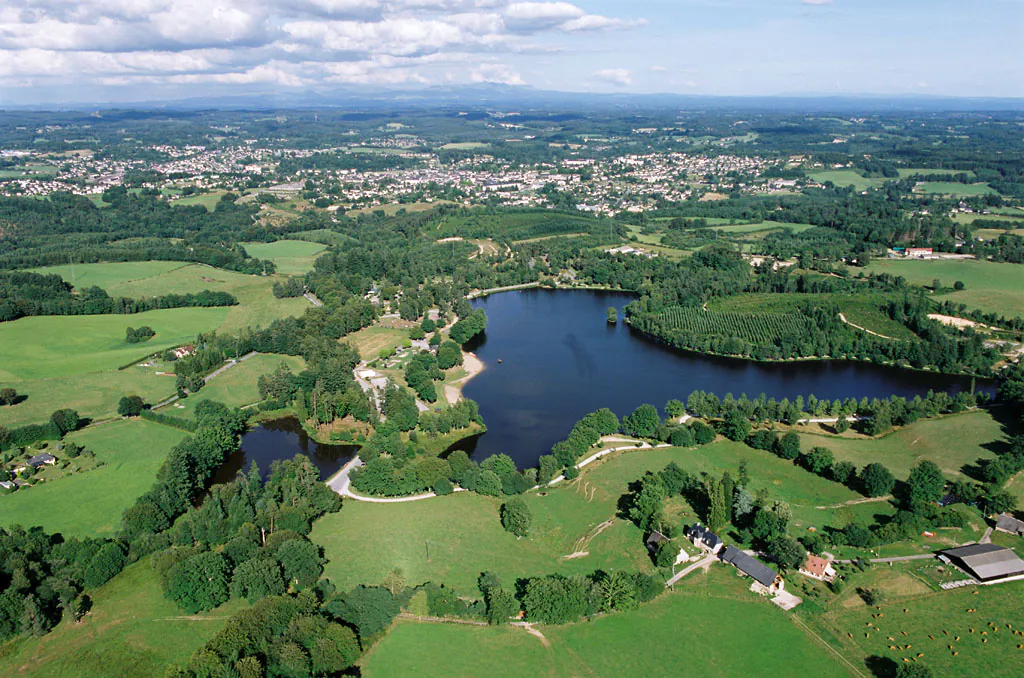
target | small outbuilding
[
  {"x": 654, "y": 539},
  {"x": 768, "y": 578},
  {"x": 1009, "y": 524},
  {"x": 988, "y": 563}
]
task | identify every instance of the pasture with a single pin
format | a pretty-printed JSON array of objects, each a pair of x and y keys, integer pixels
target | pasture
[
  {"x": 925, "y": 171},
  {"x": 132, "y": 630},
  {"x": 292, "y": 257},
  {"x": 369, "y": 341},
  {"x": 761, "y": 226},
  {"x": 90, "y": 504},
  {"x": 58, "y": 346},
  {"x": 207, "y": 200},
  {"x": 994, "y": 287},
  {"x": 708, "y": 623},
  {"x": 934, "y": 625},
  {"x": 953, "y": 188},
  {"x": 846, "y": 177},
  {"x": 236, "y": 387}
]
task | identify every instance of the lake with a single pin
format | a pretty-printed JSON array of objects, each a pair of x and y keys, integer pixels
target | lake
[
  {"x": 561, "y": 359},
  {"x": 283, "y": 439}
]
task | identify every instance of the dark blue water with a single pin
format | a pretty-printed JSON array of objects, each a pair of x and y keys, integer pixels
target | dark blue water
[
  {"x": 283, "y": 439},
  {"x": 561, "y": 359}
]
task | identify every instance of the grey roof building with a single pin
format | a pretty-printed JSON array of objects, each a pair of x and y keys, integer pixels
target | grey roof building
[
  {"x": 987, "y": 562},
  {"x": 1007, "y": 523},
  {"x": 747, "y": 565}
]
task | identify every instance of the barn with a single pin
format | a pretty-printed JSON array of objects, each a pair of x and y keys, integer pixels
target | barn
[{"x": 988, "y": 563}]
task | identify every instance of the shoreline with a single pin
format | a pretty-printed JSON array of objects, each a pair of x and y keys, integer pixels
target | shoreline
[{"x": 473, "y": 367}]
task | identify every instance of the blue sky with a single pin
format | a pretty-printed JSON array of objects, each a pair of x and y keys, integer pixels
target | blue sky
[{"x": 130, "y": 50}]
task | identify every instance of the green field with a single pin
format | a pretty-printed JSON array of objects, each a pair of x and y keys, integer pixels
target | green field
[
  {"x": 464, "y": 146},
  {"x": 324, "y": 236},
  {"x": 257, "y": 305},
  {"x": 132, "y": 630},
  {"x": 953, "y": 188},
  {"x": 990, "y": 286},
  {"x": 924, "y": 171},
  {"x": 292, "y": 257},
  {"x": 52, "y": 346},
  {"x": 370, "y": 340},
  {"x": 847, "y": 177},
  {"x": 910, "y": 615},
  {"x": 236, "y": 387},
  {"x": 760, "y": 226},
  {"x": 90, "y": 504},
  {"x": 207, "y": 200},
  {"x": 708, "y": 624},
  {"x": 951, "y": 442},
  {"x": 393, "y": 208}
]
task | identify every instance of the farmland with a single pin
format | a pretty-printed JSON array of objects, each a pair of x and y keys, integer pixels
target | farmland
[
  {"x": 236, "y": 387},
  {"x": 847, "y": 177},
  {"x": 132, "y": 630},
  {"x": 953, "y": 188},
  {"x": 131, "y": 452},
  {"x": 292, "y": 257},
  {"x": 707, "y": 622},
  {"x": 993, "y": 287},
  {"x": 752, "y": 327}
]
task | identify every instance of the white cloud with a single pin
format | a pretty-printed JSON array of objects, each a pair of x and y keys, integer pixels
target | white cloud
[
  {"x": 615, "y": 76},
  {"x": 288, "y": 43}
]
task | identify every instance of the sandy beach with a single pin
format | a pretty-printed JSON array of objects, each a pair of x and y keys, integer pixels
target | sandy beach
[{"x": 473, "y": 367}]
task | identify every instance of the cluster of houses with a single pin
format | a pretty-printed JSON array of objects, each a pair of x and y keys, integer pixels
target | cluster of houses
[{"x": 11, "y": 480}]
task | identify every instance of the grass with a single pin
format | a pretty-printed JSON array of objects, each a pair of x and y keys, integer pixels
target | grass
[
  {"x": 90, "y": 504},
  {"x": 57, "y": 346},
  {"x": 759, "y": 226},
  {"x": 292, "y": 257},
  {"x": 933, "y": 614},
  {"x": 257, "y": 306},
  {"x": 925, "y": 171},
  {"x": 237, "y": 386},
  {"x": 324, "y": 236},
  {"x": 953, "y": 188},
  {"x": 132, "y": 630},
  {"x": 847, "y": 177},
  {"x": 708, "y": 624},
  {"x": 464, "y": 146},
  {"x": 207, "y": 200},
  {"x": 990, "y": 286},
  {"x": 370, "y": 340},
  {"x": 951, "y": 442},
  {"x": 394, "y": 208}
]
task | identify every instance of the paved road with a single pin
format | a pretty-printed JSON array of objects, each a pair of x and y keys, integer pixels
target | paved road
[{"x": 312, "y": 299}]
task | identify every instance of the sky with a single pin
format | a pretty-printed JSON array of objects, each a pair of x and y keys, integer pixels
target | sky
[{"x": 65, "y": 51}]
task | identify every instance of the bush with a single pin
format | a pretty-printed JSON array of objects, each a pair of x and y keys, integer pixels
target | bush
[
  {"x": 788, "y": 446},
  {"x": 516, "y": 517}
]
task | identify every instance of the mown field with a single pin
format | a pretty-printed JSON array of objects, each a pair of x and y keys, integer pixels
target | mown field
[
  {"x": 924, "y": 171},
  {"x": 990, "y": 286},
  {"x": 90, "y": 504},
  {"x": 707, "y": 625},
  {"x": 369, "y": 341},
  {"x": 52, "y": 346},
  {"x": 236, "y": 387},
  {"x": 132, "y": 630},
  {"x": 953, "y": 188},
  {"x": 760, "y": 226},
  {"x": 951, "y": 442},
  {"x": 847, "y": 177},
  {"x": 207, "y": 200},
  {"x": 292, "y": 257}
]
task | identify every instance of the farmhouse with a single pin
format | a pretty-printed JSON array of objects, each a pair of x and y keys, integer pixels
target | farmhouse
[
  {"x": 705, "y": 539},
  {"x": 1009, "y": 524},
  {"x": 761, "y": 573},
  {"x": 818, "y": 568},
  {"x": 988, "y": 563},
  {"x": 919, "y": 252},
  {"x": 40, "y": 459},
  {"x": 183, "y": 351}
]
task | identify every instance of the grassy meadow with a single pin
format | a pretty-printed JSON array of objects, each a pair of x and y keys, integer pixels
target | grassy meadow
[
  {"x": 846, "y": 177},
  {"x": 990, "y": 286},
  {"x": 132, "y": 630},
  {"x": 56, "y": 346},
  {"x": 237, "y": 386},
  {"x": 292, "y": 257},
  {"x": 953, "y": 188},
  {"x": 131, "y": 451},
  {"x": 707, "y": 623}
]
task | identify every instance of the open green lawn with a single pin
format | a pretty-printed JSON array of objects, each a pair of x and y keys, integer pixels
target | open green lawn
[
  {"x": 292, "y": 257},
  {"x": 257, "y": 305},
  {"x": 924, "y": 171},
  {"x": 237, "y": 386},
  {"x": 463, "y": 146},
  {"x": 990, "y": 286},
  {"x": 942, "y": 615},
  {"x": 953, "y": 188},
  {"x": 370, "y": 340},
  {"x": 710, "y": 624},
  {"x": 50, "y": 346},
  {"x": 90, "y": 504},
  {"x": 93, "y": 395},
  {"x": 762, "y": 226},
  {"x": 324, "y": 236},
  {"x": 207, "y": 200},
  {"x": 951, "y": 442},
  {"x": 132, "y": 630},
  {"x": 846, "y": 177}
]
